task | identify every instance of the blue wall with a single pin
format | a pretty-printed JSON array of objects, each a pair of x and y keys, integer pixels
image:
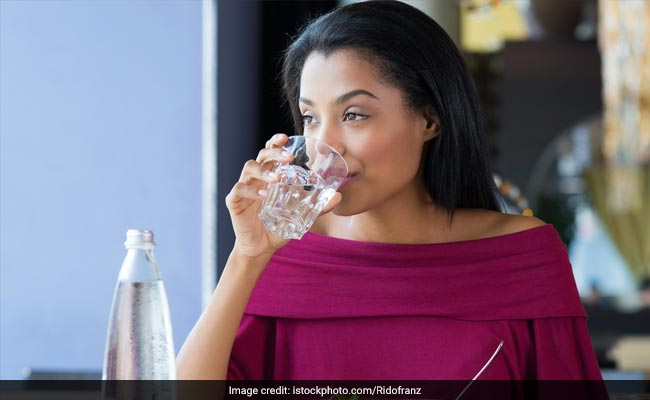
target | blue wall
[{"x": 100, "y": 112}]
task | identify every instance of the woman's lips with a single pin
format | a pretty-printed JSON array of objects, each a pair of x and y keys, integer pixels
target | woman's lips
[{"x": 346, "y": 180}]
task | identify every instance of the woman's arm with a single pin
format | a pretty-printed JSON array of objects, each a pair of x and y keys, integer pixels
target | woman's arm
[{"x": 206, "y": 352}]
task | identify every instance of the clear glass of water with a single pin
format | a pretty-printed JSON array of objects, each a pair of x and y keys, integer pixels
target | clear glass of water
[{"x": 305, "y": 187}]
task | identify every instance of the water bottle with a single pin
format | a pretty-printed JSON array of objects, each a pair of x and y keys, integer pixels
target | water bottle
[{"x": 139, "y": 344}]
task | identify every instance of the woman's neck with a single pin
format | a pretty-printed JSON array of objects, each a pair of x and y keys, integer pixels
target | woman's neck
[{"x": 407, "y": 218}]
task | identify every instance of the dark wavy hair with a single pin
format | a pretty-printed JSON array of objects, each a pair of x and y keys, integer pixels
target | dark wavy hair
[{"x": 414, "y": 54}]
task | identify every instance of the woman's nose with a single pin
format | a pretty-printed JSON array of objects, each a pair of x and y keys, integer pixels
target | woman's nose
[{"x": 332, "y": 137}]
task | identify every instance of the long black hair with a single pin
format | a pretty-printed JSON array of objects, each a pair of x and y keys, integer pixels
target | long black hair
[{"x": 416, "y": 55}]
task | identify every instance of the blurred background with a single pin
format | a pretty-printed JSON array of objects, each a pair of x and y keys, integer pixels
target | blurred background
[{"x": 120, "y": 114}]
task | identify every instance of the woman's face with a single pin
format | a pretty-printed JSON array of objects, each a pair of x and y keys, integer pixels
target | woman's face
[{"x": 345, "y": 104}]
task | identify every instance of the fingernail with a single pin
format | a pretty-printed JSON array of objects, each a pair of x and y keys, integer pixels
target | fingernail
[
  {"x": 271, "y": 174},
  {"x": 286, "y": 154},
  {"x": 262, "y": 192}
]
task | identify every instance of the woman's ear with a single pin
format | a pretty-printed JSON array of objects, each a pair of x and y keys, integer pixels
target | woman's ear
[{"x": 432, "y": 128}]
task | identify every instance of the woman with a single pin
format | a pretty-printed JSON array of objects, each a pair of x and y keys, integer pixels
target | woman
[{"x": 411, "y": 272}]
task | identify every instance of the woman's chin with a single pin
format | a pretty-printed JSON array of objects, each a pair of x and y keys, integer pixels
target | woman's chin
[{"x": 345, "y": 209}]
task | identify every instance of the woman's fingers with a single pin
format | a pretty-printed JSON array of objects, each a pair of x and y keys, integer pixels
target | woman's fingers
[
  {"x": 255, "y": 171},
  {"x": 242, "y": 191},
  {"x": 266, "y": 159},
  {"x": 273, "y": 150},
  {"x": 276, "y": 154},
  {"x": 276, "y": 140}
]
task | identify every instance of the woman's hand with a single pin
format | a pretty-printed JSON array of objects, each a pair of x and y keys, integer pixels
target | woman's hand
[
  {"x": 206, "y": 352},
  {"x": 245, "y": 198}
]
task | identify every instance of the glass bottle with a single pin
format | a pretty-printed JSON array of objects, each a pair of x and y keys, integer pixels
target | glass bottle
[{"x": 139, "y": 343}]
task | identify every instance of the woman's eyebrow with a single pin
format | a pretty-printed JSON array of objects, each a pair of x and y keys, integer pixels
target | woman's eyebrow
[
  {"x": 343, "y": 98},
  {"x": 304, "y": 100},
  {"x": 353, "y": 93}
]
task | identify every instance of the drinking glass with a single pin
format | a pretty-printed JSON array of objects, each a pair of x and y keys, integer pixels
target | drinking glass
[{"x": 306, "y": 185}]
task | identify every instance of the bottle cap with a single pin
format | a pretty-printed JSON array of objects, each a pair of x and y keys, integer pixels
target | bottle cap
[{"x": 139, "y": 239}]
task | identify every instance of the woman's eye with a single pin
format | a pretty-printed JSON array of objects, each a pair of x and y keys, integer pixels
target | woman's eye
[
  {"x": 350, "y": 116},
  {"x": 307, "y": 119}
]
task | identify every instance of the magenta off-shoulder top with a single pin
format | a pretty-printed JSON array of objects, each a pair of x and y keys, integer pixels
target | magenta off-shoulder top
[{"x": 329, "y": 308}]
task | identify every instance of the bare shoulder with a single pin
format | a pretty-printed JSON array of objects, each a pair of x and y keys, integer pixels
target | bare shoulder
[
  {"x": 513, "y": 223},
  {"x": 486, "y": 223}
]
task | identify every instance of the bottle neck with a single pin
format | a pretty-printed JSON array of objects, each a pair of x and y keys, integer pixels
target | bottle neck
[{"x": 139, "y": 265}]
